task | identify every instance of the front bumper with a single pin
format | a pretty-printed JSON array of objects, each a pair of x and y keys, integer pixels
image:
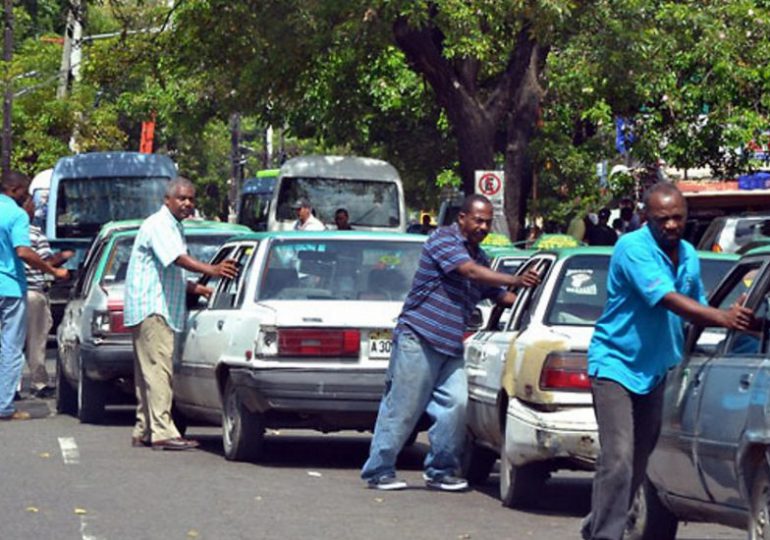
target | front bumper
[
  {"x": 108, "y": 360},
  {"x": 309, "y": 390},
  {"x": 570, "y": 433}
]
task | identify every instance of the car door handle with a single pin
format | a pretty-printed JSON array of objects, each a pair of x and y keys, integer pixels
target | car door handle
[
  {"x": 745, "y": 381},
  {"x": 220, "y": 325}
]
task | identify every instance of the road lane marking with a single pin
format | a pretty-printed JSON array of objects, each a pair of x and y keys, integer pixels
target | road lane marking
[
  {"x": 85, "y": 535},
  {"x": 69, "y": 450}
]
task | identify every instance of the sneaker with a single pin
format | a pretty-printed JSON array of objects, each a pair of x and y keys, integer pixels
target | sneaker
[
  {"x": 45, "y": 392},
  {"x": 386, "y": 483},
  {"x": 16, "y": 415},
  {"x": 446, "y": 482}
]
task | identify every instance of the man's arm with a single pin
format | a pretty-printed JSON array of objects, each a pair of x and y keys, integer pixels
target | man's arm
[
  {"x": 487, "y": 276},
  {"x": 736, "y": 317},
  {"x": 60, "y": 257},
  {"x": 28, "y": 255},
  {"x": 227, "y": 268}
]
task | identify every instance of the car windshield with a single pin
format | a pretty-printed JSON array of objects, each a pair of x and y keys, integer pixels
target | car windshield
[
  {"x": 202, "y": 247},
  {"x": 369, "y": 203},
  {"x": 85, "y": 204},
  {"x": 580, "y": 292},
  {"x": 339, "y": 270}
]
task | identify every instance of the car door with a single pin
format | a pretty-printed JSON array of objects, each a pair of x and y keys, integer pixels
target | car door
[
  {"x": 208, "y": 333},
  {"x": 485, "y": 358},
  {"x": 726, "y": 389},
  {"x": 675, "y": 463}
]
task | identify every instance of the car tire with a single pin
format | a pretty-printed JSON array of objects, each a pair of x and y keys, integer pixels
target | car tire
[
  {"x": 648, "y": 518},
  {"x": 477, "y": 461},
  {"x": 759, "y": 516},
  {"x": 66, "y": 396},
  {"x": 520, "y": 485},
  {"x": 91, "y": 400},
  {"x": 243, "y": 431}
]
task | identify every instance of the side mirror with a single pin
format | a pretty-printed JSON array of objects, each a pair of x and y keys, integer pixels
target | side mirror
[{"x": 476, "y": 320}]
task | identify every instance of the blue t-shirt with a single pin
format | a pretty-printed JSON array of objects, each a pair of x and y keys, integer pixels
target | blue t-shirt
[
  {"x": 441, "y": 300},
  {"x": 636, "y": 340},
  {"x": 14, "y": 232}
]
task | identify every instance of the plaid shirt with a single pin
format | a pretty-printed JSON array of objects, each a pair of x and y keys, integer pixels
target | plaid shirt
[
  {"x": 37, "y": 280},
  {"x": 154, "y": 284}
]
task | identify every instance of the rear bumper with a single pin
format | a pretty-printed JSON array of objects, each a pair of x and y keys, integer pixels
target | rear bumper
[
  {"x": 569, "y": 433},
  {"x": 108, "y": 360},
  {"x": 311, "y": 390}
]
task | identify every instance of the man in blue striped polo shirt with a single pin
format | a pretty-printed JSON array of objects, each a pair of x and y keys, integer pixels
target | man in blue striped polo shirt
[
  {"x": 426, "y": 373},
  {"x": 155, "y": 309}
]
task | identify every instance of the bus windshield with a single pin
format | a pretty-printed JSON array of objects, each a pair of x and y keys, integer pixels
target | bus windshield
[
  {"x": 370, "y": 203},
  {"x": 85, "y": 204}
]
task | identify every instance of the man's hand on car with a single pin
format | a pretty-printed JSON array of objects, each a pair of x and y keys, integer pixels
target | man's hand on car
[{"x": 227, "y": 268}]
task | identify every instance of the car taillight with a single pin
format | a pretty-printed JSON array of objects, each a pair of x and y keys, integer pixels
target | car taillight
[
  {"x": 110, "y": 321},
  {"x": 716, "y": 248},
  {"x": 565, "y": 371},
  {"x": 318, "y": 342}
]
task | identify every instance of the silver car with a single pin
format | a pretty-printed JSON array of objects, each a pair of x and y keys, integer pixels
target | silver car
[{"x": 301, "y": 339}]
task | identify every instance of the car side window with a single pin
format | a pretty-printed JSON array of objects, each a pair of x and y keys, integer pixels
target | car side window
[
  {"x": 229, "y": 294},
  {"x": 83, "y": 287},
  {"x": 198, "y": 302},
  {"x": 740, "y": 281},
  {"x": 750, "y": 342},
  {"x": 529, "y": 297}
]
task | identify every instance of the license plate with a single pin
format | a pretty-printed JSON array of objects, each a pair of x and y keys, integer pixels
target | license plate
[{"x": 380, "y": 343}]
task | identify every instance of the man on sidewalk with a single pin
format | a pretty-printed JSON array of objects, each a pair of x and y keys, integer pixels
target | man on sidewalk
[
  {"x": 155, "y": 308},
  {"x": 426, "y": 372},
  {"x": 14, "y": 251}
]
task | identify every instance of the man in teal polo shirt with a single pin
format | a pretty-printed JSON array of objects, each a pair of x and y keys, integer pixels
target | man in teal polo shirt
[
  {"x": 14, "y": 250},
  {"x": 653, "y": 283}
]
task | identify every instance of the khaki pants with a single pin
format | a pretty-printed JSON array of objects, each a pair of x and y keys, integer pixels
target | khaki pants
[
  {"x": 153, "y": 341},
  {"x": 39, "y": 323}
]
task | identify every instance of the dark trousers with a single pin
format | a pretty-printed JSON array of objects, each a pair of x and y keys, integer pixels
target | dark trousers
[{"x": 629, "y": 426}]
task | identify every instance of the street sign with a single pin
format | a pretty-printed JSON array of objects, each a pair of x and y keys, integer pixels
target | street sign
[{"x": 491, "y": 184}]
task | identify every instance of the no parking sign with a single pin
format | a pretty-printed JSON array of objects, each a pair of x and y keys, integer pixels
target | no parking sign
[{"x": 490, "y": 184}]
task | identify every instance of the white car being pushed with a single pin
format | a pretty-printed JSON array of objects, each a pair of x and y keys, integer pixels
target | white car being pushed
[{"x": 301, "y": 339}]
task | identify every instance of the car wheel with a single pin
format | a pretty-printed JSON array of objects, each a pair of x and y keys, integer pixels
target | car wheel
[
  {"x": 519, "y": 484},
  {"x": 91, "y": 400},
  {"x": 477, "y": 461},
  {"x": 66, "y": 397},
  {"x": 242, "y": 430},
  {"x": 759, "y": 518},
  {"x": 648, "y": 518}
]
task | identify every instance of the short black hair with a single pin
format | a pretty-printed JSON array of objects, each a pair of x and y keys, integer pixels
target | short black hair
[
  {"x": 341, "y": 211},
  {"x": 470, "y": 200},
  {"x": 664, "y": 188},
  {"x": 14, "y": 179}
]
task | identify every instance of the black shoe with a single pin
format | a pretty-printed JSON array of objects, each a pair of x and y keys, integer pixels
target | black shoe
[
  {"x": 17, "y": 396},
  {"x": 45, "y": 392},
  {"x": 175, "y": 444}
]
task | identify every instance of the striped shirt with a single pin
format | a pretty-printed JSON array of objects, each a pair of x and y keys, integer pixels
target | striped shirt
[
  {"x": 154, "y": 284},
  {"x": 441, "y": 300},
  {"x": 37, "y": 280}
]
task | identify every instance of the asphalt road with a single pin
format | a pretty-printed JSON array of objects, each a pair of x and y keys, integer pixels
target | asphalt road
[{"x": 63, "y": 480}]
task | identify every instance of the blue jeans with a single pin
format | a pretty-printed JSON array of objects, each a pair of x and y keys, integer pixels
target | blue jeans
[
  {"x": 420, "y": 379},
  {"x": 13, "y": 333}
]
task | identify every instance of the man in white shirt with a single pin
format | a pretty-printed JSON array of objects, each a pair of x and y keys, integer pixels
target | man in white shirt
[{"x": 306, "y": 221}]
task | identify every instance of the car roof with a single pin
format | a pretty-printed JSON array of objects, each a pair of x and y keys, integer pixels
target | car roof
[
  {"x": 704, "y": 254},
  {"x": 189, "y": 225},
  {"x": 580, "y": 250},
  {"x": 337, "y": 235}
]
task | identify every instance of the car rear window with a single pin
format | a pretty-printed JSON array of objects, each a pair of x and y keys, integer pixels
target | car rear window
[
  {"x": 339, "y": 270},
  {"x": 580, "y": 292}
]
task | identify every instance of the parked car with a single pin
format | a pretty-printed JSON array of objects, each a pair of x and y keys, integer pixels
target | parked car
[
  {"x": 711, "y": 462},
  {"x": 301, "y": 339},
  {"x": 736, "y": 233},
  {"x": 95, "y": 357},
  {"x": 529, "y": 394}
]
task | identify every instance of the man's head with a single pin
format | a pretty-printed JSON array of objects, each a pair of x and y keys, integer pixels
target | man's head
[
  {"x": 303, "y": 209},
  {"x": 180, "y": 197},
  {"x": 666, "y": 212},
  {"x": 475, "y": 218},
  {"x": 15, "y": 185},
  {"x": 604, "y": 216},
  {"x": 426, "y": 220},
  {"x": 29, "y": 206},
  {"x": 341, "y": 218}
]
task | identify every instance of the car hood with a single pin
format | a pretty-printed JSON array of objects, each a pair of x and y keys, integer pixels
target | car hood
[
  {"x": 334, "y": 313},
  {"x": 527, "y": 354}
]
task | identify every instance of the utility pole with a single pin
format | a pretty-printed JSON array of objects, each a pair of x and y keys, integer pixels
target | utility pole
[
  {"x": 71, "y": 51},
  {"x": 235, "y": 157},
  {"x": 5, "y": 153}
]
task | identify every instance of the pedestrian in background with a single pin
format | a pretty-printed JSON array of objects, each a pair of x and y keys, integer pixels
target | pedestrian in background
[
  {"x": 306, "y": 221},
  {"x": 39, "y": 320},
  {"x": 341, "y": 218},
  {"x": 602, "y": 234},
  {"x": 425, "y": 373},
  {"x": 653, "y": 284},
  {"x": 155, "y": 308},
  {"x": 14, "y": 251}
]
